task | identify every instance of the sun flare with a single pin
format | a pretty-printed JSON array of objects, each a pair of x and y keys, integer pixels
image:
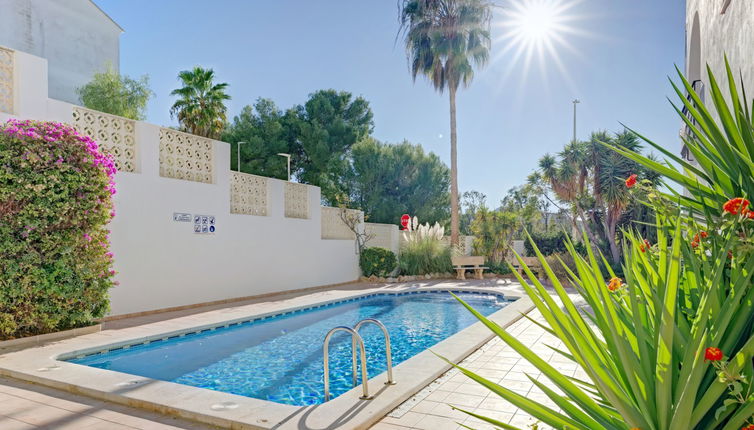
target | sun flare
[
  {"x": 536, "y": 22},
  {"x": 537, "y": 31}
]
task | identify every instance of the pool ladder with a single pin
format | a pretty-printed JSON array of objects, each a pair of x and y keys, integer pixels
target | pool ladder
[{"x": 356, "y": 340}]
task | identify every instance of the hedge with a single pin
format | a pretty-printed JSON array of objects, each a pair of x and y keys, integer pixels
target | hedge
[{"x": 55, "y": 203}]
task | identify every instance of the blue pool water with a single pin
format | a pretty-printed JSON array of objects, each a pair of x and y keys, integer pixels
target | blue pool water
[{"x": 280, "y": 358}]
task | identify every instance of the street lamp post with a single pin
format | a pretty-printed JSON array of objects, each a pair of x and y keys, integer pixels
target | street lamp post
[
  {"x": 575, "y": 102},
  {"x": 288, "y": 157},
  {"x": 238, "y": 155}
]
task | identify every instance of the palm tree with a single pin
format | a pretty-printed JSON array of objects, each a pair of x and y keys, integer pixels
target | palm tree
[
  {"x": 610, "y": 189},
  {"x": 200, "y": 107},
  {"x": 567, "y": 178},
  {"x": 444, "y": 40}
]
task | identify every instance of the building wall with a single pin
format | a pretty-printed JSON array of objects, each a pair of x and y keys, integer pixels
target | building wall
[
  {"x": 711, "y": 34},
  {"x": 161, "y": 262},
  {"x": 75, "y": 37}
]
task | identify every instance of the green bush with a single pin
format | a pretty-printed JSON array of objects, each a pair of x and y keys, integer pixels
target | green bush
[
  {"x": 500, "y": 268},
  {"x": 55, "y": 201},
  {"x": 560, "y": 264},
  {"x": 377, "y": 261},
  {"x": 424, "y": 256},
  {"x": 551, "y": 243}
]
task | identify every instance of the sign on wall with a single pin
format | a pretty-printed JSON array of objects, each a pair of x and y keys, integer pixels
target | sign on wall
[
  {"x": 181, "y": 217},
  {"x": 204, "y": 224}
]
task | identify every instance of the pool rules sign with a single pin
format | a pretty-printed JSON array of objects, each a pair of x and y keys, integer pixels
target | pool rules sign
[{"x": 203, "y": 224}]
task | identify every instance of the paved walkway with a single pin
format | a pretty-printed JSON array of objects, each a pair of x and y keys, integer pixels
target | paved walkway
[
  {"x": 28, "y": 406},
  {"x": 431, "y": 409}
]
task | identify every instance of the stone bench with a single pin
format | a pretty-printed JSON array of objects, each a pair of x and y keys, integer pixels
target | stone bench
[
  {"x": 531, "y": 262},
  {"x": 464, "y": 263}
]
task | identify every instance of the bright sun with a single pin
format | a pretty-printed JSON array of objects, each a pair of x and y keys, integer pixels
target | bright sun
[
  {"x": 536, "y": 21},
  {"x": 536, "y": 30}
]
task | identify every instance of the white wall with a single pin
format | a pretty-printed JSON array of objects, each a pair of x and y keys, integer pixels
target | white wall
[
  {"x": 730, "y": 33},
  {"x": 75, "y": 37},
  {"x": 162, "y": 263}
]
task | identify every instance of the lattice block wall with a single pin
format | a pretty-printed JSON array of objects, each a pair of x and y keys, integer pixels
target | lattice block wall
[
  {"x": 296, "y": 200},
  {"x": 185, "y": 156},
  {"x": 382, "y": 235},
  {"x": 248, "y": 194},
  {"x": 6, "y": 80},
  {"x": 333, "y": 226},
  {"x": 115, "y": 135}
]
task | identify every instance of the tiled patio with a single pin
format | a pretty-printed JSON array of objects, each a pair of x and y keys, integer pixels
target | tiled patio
[
  {"x": 25, "y": 405},
  {"x": 431, "y": 409}
]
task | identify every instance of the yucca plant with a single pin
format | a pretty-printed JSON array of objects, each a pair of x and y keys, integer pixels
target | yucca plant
[
  {"x": 723, "y": 148},
  {"x": 669, "y": 348}
]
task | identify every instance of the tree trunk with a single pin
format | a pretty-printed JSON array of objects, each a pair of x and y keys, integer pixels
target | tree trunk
[
  {"x": 612, "y": 224},
  {"x": 454, "y": 225},
  {"x": 587, "y": 229}
]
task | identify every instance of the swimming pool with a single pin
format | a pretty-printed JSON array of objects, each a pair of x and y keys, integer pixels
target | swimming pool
[{"x": 279, "y": 358}]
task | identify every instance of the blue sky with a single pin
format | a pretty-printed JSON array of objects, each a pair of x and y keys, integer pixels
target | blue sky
[{"x": 618, "y": 56}]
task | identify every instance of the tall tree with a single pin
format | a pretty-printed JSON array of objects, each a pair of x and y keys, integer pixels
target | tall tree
[
  {"x": 389, "y": 180},
  {"x": 200, "y": 107},
  {"x": 116, "y": 94},
  {"x": 589, "y": 177},
  {"x": 327, "y": 126},
  {"x": 445, "y": 39},
  {"x": 471, "y": 201},
  {"x": 266, "y": 131}
]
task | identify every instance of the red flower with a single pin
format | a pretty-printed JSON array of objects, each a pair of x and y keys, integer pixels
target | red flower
[
  {"x": 642, "y": 248},
  {"x": 713, "y": 354},
  {"x": 736, "y": 206},
  {"x": 614, "y": 284},
  {"x": 749, "y": 214},
  {"x": 704, "y": 234},
  {"x": 631, "y": 181},
  {"x": 749, "y": 427},
  {"x": 694, "y": 244}
]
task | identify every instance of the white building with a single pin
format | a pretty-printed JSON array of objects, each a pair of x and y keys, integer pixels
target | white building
[
  {"x": 715, "y": 28},
  {"x": 75, "y": 37}
]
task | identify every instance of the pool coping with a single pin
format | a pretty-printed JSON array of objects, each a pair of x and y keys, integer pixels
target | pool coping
[{"x": 42, "y": 365}]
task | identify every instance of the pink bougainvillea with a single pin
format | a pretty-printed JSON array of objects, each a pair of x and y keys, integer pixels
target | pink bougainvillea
[{"x": 54, "y": 207}]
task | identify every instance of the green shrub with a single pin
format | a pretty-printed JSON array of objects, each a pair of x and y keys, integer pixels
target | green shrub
[
  {"x": 377, "y": 261},
  {"x": 500, "y": 268},
  {"x": 551, "y": 243},
  {"x": 55, "y": 201},
  {"x": 560, "y": 264},
  {"x": 424, "y": 256}
]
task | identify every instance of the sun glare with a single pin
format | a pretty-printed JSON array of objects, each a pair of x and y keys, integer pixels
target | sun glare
[
  {"x": 536, "y": 22},
  {"x": 536, "y": 31}
]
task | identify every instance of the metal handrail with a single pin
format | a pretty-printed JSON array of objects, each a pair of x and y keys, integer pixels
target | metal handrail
[
  {"x": 355, "y": 339},
  {"x": 388, "y": 351}
]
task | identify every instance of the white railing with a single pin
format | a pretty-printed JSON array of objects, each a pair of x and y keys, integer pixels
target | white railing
[
  {"x": 6, "y": 80},
  {"x": 248, "y": 194},
  {"x": 296, "y": 200},
  {"x": 115, "y": 135},
  {"x": 333, "y": 226},
  {"x": 186, "y": 156}
]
